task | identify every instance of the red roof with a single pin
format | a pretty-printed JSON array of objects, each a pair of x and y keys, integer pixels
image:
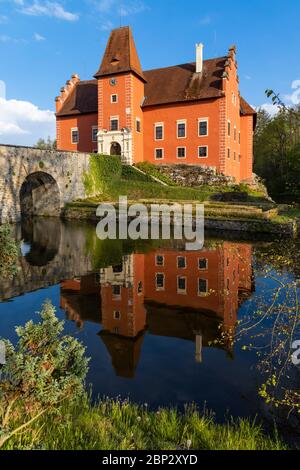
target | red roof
[{"x": 120, "y": 55}]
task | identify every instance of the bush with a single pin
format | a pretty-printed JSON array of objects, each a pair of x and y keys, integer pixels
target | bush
[
  {"x": 104, "y": 172},
  {"x": 43, "y": 370},
  {"x": 9, "y": 252}
]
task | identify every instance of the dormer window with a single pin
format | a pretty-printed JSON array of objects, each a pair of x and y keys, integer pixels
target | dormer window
[{"x": 114, "y": 98}]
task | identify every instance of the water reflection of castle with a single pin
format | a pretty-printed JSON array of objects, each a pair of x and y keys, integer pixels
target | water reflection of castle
[{"x": 188, "y": 295}]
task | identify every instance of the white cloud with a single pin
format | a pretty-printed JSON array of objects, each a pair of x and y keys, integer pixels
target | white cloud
[
  {"x": 48, "y": 8},
  {"x": 38, "y": 37},
  {"x": 22, "y": 122},
  {"x": 291, "y": 99},
  {"x": 271, "y": 109},
  {"x": 3, "y": 19},
  {"x": 294, "y": 97}
]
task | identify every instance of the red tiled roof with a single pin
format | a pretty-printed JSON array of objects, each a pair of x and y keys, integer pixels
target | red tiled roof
[
  {"x": 120, "y": 55},
  {"x": 83, "y": 100},
  {"x": 182, "y": 83},
  {"x": 247, "y": 110}
]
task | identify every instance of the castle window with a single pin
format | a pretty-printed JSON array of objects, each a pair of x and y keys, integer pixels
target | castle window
[
  {"x": 116, "y": 291},
  {"x": 114, "y": 124},
  {"x": 181, "y": 262},
  {"x": 181, "y": 129},
  {"x": 159, "y": 131},
  {"x": 138, "y": 125},
  {"x": 235, "y": 133},
  {"x": 117, "y": 315},
  {"x": 229, "y": 128},
  {"x": 203, "y": 264},
  {"x": 118, "y": 269},
  {"x": 181, "y": 285},
  {"x": 75, "y": 135},
  {"x": 114, "y": 98},
  {"x": 140, "y": 288},
  {"x": 203, "y": 151},
  {"x": 160, "y": 281},
  {"x": 228, "y": 153},
  {"x": 239, "y": 159},
  {"x": 160, "y": 260},
  {"x": 203, "y": 127},
  {"x": 159, "y": 154},
  {"x": 181, "y": 152},
  {"x": 202, "y": 286},
  {"x": 94, "y": 133},
  {"x": 234, "y": 156}
]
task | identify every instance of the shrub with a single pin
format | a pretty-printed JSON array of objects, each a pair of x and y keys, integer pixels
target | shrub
[
  {"x": 9, "y": 252},
  {"x": 43, "y": 370},
  {"x": 104, "y": 172}
]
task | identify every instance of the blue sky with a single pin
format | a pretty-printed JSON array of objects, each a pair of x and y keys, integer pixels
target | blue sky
[{"x": 43, "y": 42}]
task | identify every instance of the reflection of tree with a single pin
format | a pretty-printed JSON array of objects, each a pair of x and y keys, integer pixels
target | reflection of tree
[{"x": 274, "y": 325}]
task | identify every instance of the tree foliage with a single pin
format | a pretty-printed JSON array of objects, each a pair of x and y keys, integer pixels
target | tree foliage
[
  {"x": 277, "y": 149},
  {"x": 9, "y": 252},
  {"x": 48, "y": 144},
  {"x": 43, "y": 370}
]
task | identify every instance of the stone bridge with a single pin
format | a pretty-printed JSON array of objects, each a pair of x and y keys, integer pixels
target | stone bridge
[{"x": 39, "y": 182}]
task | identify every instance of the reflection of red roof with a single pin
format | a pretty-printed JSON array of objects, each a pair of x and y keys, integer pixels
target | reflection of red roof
[{"x": 125, "y": 352}]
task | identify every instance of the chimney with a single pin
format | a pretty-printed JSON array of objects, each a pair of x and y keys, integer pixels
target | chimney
[{"x": 199, "y": 58}]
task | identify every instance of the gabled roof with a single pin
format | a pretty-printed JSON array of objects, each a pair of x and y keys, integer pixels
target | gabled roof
[
  {"x": 181, "y": 83},
  {"x": 120, "y": 55},
  {"x": 247, "y": 110},
  {"x": 82, "y": 100}
]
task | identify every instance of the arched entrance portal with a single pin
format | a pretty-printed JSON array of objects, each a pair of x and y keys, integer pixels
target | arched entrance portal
[
  {"x": 39, "y": 195},
  {"x": 115, "y": 149}
]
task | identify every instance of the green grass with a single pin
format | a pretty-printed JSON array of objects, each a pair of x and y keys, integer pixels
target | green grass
[
  {"x": 153, "y": 170},
  {"x": 112, "y": 425}
]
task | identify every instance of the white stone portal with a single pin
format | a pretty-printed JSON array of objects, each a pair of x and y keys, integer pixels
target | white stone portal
[{"x": 122, "y": 137}]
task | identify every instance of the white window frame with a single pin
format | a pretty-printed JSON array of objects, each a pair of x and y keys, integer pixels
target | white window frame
[
  {"x": 163, "y": 263},
  {"x": 201, "y": 146},
  {"x": 93, "y": 128},
  {"x": 75, "y": 129},
  {"x": 114, "y": 118},
  {"x": 111, "y": 98},
  {"x": 182, "y": 291},
  {"x": 203, "y": 269},
  {"x": 136, "y": 125},
  {"x": 159, "y": 124},
  {"x": 203, "y": 294},
  {"x": 207, "y": 127},
  {"x": 160, "y": 288},
  {"x": 181, "y": 147},
  {"x": 181, "y": 121},
  {"x": 163, "y": 153},
  {"x": 185, "y": 262}
]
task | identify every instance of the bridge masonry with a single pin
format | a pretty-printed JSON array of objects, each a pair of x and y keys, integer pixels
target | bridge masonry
[{"x": 47, "y": 179}]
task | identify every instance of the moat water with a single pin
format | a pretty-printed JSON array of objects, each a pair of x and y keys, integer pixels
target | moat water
[{"x": 157, "y": 321}]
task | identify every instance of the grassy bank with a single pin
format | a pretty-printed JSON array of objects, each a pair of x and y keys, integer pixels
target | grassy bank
[{"x": 113, "y": 425}]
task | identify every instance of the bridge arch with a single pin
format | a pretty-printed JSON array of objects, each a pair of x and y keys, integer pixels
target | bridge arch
[{"x": 40, "y": 195}]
